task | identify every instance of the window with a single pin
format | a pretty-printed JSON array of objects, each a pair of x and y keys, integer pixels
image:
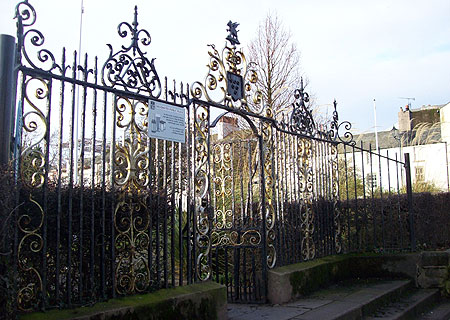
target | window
[
  {"x": 420, "y": 174},
  {"x": 371, "y": 180}
]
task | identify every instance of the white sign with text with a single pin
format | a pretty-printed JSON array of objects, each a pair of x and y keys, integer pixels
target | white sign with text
[{"x": 166, "y": 121}]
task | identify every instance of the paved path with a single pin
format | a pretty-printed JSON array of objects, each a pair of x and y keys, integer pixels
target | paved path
[{"x": 278, "y": 312}]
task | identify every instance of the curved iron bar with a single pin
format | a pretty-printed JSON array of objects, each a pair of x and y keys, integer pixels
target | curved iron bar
[
  {"x": 240, "y": 113},
  {"x": 336, "y": 127},
  {"x": 129, "y": 68},
  {"x": 275, "y": 124},
  {"x": 26, "y": 17}
]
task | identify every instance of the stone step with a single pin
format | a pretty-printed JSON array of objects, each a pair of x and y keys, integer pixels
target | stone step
[
  {"x": 343, "y": 301},
  {"x": 358, "y": 303},
  {"x": 440, "y": 311},
  {"x": 409, "y": 306}
]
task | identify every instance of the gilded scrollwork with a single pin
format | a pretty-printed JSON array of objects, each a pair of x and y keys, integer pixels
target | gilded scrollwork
[
  {"x": 201, "y": 190},
  {"x": 131, "y": 216},
  {"x": 29, "y": 254},
  {"x": 34, "y": 124},
  {"x": 223, "y": 215},
  {"x": 131, "y": 156},
  {"x": 235, "y": 238},
  {"x": 335, "y": 198},
  {"x": 305, "y": 153},
  {"x": 131, "y": 221},
  {"x": 230, "y": 81},
  {"x": 268, "y": 171},
  {"x": 304, "y": 149},
  {"x": 32, "y": 171}
]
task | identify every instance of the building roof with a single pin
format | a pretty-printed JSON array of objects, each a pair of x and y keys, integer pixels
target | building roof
[
  {"x": 427, "y": 107},
  {"x": 423, "y": 134},
  {"x": 426, "y": 129},
  {"x": 385, "y": 139}
]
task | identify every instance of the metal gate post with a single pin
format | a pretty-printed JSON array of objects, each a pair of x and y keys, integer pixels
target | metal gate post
[
  {"x": 264, "y": 219},
  {"x": 7, "y": 94},
  {"x": 410, "y": 204}
]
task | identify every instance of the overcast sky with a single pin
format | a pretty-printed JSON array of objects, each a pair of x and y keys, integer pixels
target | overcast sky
[{"x": 353, "y": 51}]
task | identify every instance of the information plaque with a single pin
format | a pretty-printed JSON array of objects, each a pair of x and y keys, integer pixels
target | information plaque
[{"x": 166, "y": 121}]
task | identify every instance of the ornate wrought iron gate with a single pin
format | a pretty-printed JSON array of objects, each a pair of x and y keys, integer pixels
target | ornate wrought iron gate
[
  {"x": 237, "y": 237},
  {"x": 233, "y": 177}
]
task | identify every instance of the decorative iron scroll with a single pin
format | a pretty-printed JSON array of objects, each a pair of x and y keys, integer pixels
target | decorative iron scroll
[
  {"x": 268, "y": 171},
  {"x": 340, "y": 132},
  {"x": 35, "y": 126},
  {"x": 129, "y": 68},
  {"x": 235, "y": 238},
  {"x": 29, "y": 253},
  {"x": 33, "y": 167},
  {"x": 308, "y": 247},
  {"x": 201, "y": 190},
  {"x": 131, "y": 221},
  {"x": 223, "y": 214},
  {"x": 131, "y": 216},
  {"x": 334, "y": 197},
  {"x": 26, "y": 18},
  {"x": 231, "y": 64},
  {"x": 301, "y": 120}
]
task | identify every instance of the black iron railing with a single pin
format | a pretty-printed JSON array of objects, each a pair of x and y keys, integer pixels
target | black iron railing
[{"x": 101, "y": 209}]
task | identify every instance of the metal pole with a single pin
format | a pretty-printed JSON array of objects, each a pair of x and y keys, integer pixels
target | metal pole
[
  {"x": 263, "y": 210},
  {"x": 375, "y": 119},
  {"x": 77, "y": 151},
  {"x": 410, "y": 203},
  {"x": 446, "y": 164},
  {"x": 7, "y": 94}
]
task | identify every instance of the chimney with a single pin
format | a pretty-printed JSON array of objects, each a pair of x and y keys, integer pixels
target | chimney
[
  {"x": 225, "y": 126},
  {"x": 404, "y": 120}
]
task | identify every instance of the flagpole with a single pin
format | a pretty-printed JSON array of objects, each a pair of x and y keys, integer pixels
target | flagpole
[
  {"x": 77, "y": 110},
  {"x": 375, "y": 118}
]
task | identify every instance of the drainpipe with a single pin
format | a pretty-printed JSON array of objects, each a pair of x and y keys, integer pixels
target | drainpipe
[
  {"x": 7, "y": 95},
  {"x": 410, "y": 202},
  {"x": 446, "y": 163}
]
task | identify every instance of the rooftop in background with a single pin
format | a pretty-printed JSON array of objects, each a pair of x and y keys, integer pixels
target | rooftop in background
[
  {"x": 386, "y": 139},
  {"x": 408, "y": 119},
  {"x": 425, "y": 125},
  {"x": 422, "y": 134}
]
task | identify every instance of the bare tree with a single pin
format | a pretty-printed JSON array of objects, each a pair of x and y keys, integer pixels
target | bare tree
[{"x": 278, "y": 62}]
